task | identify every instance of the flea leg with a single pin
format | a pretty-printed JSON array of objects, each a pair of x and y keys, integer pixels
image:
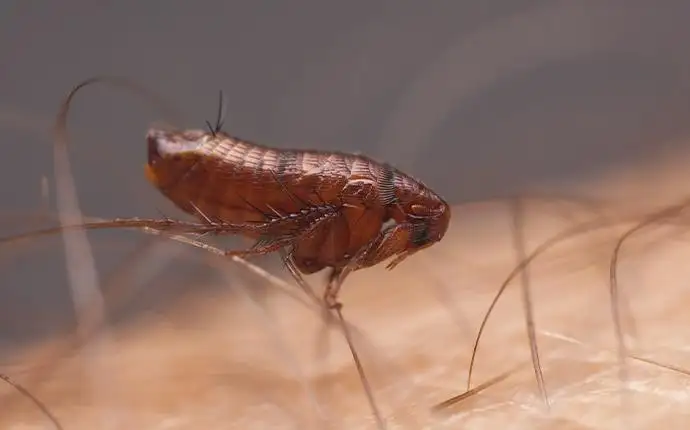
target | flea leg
[
  {"x": 330, "y": 296},
  {"x": 331, "y": 300},
  {"x": 392, "y": 241}
]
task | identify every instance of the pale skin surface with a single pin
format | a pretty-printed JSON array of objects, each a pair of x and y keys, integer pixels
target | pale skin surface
[{"x": 231, "y": 360}]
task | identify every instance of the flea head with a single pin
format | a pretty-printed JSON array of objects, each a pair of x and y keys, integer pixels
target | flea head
[
  {"x": 171, "y": 154},
  {"x": 430, "y": 223}
]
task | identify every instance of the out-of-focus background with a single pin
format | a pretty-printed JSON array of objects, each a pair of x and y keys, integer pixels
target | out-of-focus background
[{"x": 479, "y": 99}]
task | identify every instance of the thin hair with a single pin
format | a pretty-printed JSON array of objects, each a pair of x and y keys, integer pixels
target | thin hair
[{"x": 39, "y": 404}]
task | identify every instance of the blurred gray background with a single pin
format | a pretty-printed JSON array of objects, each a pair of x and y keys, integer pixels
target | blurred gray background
[{"x": 477, "y": 98}]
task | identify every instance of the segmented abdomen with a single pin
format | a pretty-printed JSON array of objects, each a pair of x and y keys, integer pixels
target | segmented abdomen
[{"x": 239, "y": 174}]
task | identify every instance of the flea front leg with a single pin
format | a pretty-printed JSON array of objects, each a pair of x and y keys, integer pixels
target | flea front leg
[
  {"x": 394, "y": 240},
  {"x": 330, "y": 296}
]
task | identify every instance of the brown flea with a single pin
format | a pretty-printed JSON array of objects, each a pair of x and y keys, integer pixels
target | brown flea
[{"x": 329, "y": 209}]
